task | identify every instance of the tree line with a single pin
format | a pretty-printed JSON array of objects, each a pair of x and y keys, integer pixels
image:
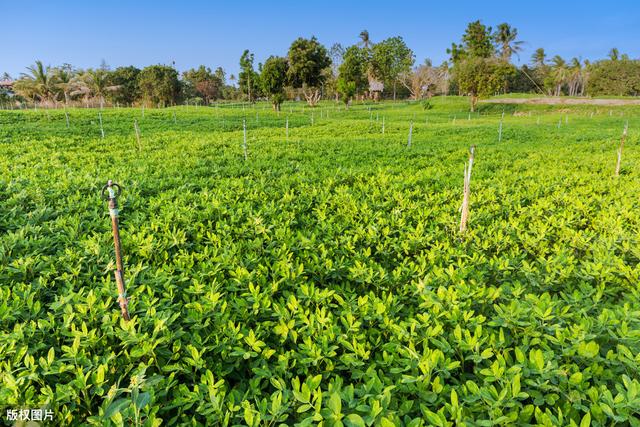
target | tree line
[{"x": 480, "y": 65}]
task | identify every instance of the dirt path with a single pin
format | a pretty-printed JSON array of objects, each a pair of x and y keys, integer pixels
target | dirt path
[{"x": 563, "y": 101}]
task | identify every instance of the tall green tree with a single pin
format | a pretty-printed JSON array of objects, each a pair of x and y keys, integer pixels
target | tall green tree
[
  {"x": 619, "y": 77},
  {"x": 221, "y": 75},
  {"x": 480, "y": 77},
  {"x": 352, "y": 73},
  {"x": 477, "y": 40},
  {"x": 126, "y": 80},
  {"x": 159, "y": 85},
  {"x": 354, "y": 68},
  {"x": 248, "y": 77},
  {"x": 205, "y": 83},
  {"x": 390, "y": 59},
  {"x": 308, "y": 61},
  {"x": 273, "y": 77}
]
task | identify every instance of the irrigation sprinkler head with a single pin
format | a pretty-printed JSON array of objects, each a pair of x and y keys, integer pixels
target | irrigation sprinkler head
[{"x": 110, "y": 192}]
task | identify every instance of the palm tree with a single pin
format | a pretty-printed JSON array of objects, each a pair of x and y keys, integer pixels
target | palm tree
[
  {"x": 559, "y": 72},
  {"x": 614, "y": 54},
  {"x": 94, "y": 83},
  {"x": 38, "y": 83},
  {"x": 65, "y": 83},
  {"x": 575, "y": 76},
  {"x": 538, "y": 57},
  {"x": 505, "y": 36}
]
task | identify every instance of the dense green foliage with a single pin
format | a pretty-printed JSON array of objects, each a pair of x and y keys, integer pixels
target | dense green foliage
[
  {"x": 614, "y": 77},
  {"x": 389, "y": 59},
  {"x": 126, "y": 80},
  {"x": 248, "y": 78},
  {"x": 377, "y": 70},
  {"x": 477, "y": 42},
  {"x": 324, "y": 277},
  {"x": 203, "y": 82},
  {"x": 482, "y": 77},
  {"x": 274, "y": 79},
  {"x": 158, "y": 85},
  {"x": 354, "y": 68},
  {"x": 308, "y": 63}
]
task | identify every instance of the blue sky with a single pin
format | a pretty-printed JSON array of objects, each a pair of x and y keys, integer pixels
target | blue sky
[{"x": 190, "y": 33}]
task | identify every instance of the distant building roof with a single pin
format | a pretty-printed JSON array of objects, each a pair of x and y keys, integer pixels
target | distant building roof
[{"x": 6, "y": 83}]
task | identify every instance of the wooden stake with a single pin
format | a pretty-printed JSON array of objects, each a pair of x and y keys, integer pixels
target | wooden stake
[
  {"x": 500, "y": 132},
  {"x": 286, "y": 127},
  {"x": 244, "y": 138},
  {"x": 624, "y": 136},
  {"x": 383, "y": 125},
  {"x": 464, "y": 216},
  {"x": 137, "y": 129},
  {"x": 410, "y": 135},
  {"x": 101, "y": 129},
  {"x": 66, "y": 115}
]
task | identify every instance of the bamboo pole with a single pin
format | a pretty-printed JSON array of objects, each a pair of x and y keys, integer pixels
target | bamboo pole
[{"x": 464, "y": 216}]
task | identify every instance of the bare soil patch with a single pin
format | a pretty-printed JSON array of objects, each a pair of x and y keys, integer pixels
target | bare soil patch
[{"x": 564, "y": 101}]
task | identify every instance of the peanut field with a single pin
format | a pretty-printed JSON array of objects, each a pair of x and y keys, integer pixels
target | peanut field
[{"x": 324, "y": 279}]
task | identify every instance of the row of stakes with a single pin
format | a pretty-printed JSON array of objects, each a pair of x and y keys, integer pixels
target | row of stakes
[
  {"x": 137, "y": 129},
  {"x": 111, "y": 191}
]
